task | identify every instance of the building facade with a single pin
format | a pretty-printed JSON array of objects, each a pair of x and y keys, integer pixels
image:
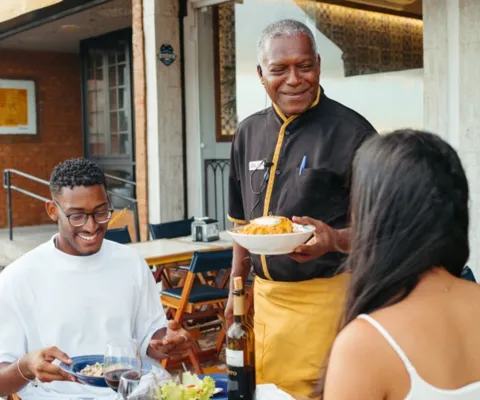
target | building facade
[
  {"x": 153, "y": 90},
  {"x": 85, "y": 61}
]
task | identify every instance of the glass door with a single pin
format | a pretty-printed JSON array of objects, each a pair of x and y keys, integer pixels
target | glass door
[{"x": 108, "y": 110}]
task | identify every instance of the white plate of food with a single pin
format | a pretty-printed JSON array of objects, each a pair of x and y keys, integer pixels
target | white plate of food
[{"x": 271, "y": 235}]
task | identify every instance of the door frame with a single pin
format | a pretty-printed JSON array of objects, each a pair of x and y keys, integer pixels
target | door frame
[
  {"x": 107, "y": 40},
  {"x": 196, "y": 203}
]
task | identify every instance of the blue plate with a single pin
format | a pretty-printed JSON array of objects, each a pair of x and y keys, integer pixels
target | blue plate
[
  {"x": 80, "y": 363},
  {"x": 221, "y": 383}
]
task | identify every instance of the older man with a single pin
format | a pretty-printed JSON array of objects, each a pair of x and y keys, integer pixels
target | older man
[{"x": 293, "y": 159}]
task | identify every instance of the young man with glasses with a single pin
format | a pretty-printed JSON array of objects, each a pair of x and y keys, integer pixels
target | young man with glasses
[{"x": 73, "y": 294}]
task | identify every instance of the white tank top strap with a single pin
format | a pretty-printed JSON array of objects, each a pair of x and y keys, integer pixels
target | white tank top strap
[{"x": 390, "y": 340}]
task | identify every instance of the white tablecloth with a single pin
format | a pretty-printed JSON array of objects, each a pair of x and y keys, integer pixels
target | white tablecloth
[{"x": 271, "y": 392}]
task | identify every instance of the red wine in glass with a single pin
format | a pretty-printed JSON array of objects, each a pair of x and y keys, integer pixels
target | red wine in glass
[
  {"x": 120, "y": 356},
  {"x": 113, "y": 377}
]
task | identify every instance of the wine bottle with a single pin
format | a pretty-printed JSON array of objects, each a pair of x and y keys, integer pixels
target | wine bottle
[{"x": 240, "y": 350}]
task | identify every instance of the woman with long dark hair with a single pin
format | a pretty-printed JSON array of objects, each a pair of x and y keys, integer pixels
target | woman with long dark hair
[{"x": 411, "y": 326}]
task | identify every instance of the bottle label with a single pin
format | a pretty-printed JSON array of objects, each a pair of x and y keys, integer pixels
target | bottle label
[
  {"x": 235, "y": 358},
  {"x": 241, "y": 383},
  {"x": 232, "y": 383}
]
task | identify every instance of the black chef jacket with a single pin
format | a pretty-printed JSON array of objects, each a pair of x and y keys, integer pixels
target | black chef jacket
[{"x": 267, "y": 153}]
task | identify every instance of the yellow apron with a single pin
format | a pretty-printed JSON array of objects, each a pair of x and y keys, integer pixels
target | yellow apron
[{"x": 295, "y": 325}]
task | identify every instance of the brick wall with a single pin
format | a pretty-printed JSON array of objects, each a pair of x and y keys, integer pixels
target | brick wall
[{"x": 58, "y": 81}]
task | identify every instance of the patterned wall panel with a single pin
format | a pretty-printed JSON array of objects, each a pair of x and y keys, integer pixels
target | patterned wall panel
[
  {"x": 226, "y": 71},
  {"x": 371, "y": 42}
]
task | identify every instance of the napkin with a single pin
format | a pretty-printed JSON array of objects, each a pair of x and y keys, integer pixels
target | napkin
[
  {"x": 271, "y": 392},
  {"x": 149, "y": 382}
]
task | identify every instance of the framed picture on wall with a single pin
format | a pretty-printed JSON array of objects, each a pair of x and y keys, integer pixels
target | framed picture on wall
[{"x": 18, "y": 107}]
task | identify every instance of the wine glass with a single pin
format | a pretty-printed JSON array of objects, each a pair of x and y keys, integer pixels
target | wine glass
[
  {"x": 120, "y": 356},
  {"x": 129, "y": 381}
]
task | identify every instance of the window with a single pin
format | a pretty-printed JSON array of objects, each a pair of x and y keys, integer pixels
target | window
[{"x": 109, "y": 108}]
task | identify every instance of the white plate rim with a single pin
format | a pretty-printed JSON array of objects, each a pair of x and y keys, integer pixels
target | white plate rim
[{"x": 311, "y": 230}]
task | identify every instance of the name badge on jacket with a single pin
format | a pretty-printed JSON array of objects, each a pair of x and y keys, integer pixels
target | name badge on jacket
[{"x": 256, "y": 165}]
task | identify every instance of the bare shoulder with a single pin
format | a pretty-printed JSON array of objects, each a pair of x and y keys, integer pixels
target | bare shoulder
[
  {"x": 358, "y": 338},
  {"x": 360, "y": 357}
]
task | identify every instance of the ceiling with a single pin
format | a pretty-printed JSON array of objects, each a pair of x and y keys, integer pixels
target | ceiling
[
  {"x": 65, "y": 34},
  {"x": 406, "y": 6}
]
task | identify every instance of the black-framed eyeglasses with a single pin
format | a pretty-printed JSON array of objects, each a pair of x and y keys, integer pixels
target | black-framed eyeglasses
[{"x": 80, "y": 219}]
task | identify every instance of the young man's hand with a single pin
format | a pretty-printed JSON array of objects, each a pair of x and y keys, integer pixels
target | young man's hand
[
  {"x": 176, "y": 340},
  {"x": 39, "y": 365}
]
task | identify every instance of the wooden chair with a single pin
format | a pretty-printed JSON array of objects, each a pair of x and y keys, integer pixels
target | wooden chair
[
  {"x": 186, "y": 302},
  {"x": 14, "y": 397},
  {"x": 122, "y": 218},
  {"x": 468, "y": 275},
  {"x": 119, "y": 235},
  {"x": 169, "y": 230}
]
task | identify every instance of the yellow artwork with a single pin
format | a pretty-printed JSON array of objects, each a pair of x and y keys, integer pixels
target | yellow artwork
[{"x": 13, "y": 107}]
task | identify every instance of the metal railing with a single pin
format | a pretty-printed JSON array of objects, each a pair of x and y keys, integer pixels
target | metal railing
[
  {"x": 7, "y": 184},
  {"x": 216, "y": 182}
]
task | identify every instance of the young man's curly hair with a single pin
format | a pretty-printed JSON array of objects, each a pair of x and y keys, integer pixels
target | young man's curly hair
[{"x": 75, "y": 172}]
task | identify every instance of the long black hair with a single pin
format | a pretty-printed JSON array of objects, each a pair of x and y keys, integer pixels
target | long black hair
[
  {"x": 409, "y": 207},
  {"x": 409, "y": 214}
]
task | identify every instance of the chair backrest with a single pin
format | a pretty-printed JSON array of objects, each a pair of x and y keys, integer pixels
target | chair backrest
[
  {"x": 467, "y": 274},
  {"x": 120, "y": 235},
  {"x": 211, "y": 261},
  {"x": 170, "y": 230}
]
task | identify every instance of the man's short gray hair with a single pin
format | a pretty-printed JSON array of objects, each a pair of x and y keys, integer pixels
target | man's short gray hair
[{"x": 284, "y": 27}]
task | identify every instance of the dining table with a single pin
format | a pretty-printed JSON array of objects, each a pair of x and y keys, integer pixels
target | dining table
[{"x": 178, "y": 250}]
